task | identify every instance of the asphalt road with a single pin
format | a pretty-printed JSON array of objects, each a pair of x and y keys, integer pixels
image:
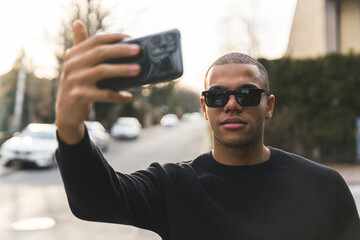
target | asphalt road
[{"x": 33, "y": 204}]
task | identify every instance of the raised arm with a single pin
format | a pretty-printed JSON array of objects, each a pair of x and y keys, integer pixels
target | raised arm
[{"x": 81, "y": 70}]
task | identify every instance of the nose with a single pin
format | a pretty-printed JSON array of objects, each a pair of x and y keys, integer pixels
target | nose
[{"x": 232, "y": 105}]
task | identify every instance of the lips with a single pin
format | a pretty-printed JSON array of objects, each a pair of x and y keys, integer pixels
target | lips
[{"x": 233, "y": 123}]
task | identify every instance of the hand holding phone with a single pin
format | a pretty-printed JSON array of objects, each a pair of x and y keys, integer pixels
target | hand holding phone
[{"x": 160, "y": 61}]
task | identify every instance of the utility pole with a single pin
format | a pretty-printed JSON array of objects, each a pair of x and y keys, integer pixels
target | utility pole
[
  {"x": 2, "y": 108},
  {"x": 19, "y": 98},
  {"x": 358, "y": 139}
]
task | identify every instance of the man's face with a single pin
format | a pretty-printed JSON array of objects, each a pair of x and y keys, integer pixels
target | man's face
[{"x": 234, "y": 125}]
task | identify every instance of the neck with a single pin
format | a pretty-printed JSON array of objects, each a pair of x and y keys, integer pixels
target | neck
[{"x": 240, "y": 155}]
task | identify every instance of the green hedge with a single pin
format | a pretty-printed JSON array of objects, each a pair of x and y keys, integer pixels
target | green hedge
[{"x": 317, "y": 102}]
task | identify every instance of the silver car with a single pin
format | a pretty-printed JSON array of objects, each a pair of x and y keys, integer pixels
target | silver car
[
  {"x": 34, "y": 145},
  {"x": 98, "y": 134},
  {"x": 169, "y": 120},
  {"x": 126, "y": 127}
]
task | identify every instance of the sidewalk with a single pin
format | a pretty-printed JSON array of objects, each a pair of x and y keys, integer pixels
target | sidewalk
[
  {"x": 350, "y": 172},
  {"x": 5, "y": 171}
]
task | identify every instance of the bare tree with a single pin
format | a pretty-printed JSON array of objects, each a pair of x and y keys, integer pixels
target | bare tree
[
  {"x": 252, "y": 32},
  {"x": 99, "y": 19},
  {"x": 240, "y": 31},
  {"x": 93, "y": 14}
]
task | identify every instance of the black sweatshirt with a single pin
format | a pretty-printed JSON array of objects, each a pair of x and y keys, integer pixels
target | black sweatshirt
[{"x": 286, "y": 197}]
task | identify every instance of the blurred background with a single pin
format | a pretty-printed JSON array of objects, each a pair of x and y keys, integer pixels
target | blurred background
[
  {"x": 311, "y": 49},
  {"x": 36, "y": 35}
]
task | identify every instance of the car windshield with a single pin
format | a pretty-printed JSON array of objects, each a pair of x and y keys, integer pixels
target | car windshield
[{"x": 42, "y": 134}]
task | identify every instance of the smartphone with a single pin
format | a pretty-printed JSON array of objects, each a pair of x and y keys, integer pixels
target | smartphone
[{"x": 160, "y": 60}]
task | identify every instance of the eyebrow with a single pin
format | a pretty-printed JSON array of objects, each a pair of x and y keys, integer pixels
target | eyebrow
[{"x": 244, "y": 86}]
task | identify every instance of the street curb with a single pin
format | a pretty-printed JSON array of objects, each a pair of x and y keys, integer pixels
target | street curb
[
  {"x": 352, "y": 183},
  {"x": 5, "y": 171},
  {"x": 349, "y": 172}
]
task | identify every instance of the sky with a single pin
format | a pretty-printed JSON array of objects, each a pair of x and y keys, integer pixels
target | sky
[{"x": 209, "y": 29}]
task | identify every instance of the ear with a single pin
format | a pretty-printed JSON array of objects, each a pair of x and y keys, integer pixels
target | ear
[
  {"x": 270, "y": 106},
  {"x": 203, "y": 107}
]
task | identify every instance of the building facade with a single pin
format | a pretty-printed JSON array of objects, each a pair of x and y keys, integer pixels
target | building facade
[{"x": 324, "y": 26}]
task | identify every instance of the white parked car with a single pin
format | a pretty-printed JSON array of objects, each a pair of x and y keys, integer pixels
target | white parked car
[
  {"x": 192, "y": 117},
  {"x": 126, "y": 127},
  {"x": 36, "y": 144},
  {"x": 169, "y": 120},
  {"x": 98, "y": 134}
]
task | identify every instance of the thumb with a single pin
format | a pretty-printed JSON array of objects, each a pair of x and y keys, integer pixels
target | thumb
[{"x": 80, "y": 32}]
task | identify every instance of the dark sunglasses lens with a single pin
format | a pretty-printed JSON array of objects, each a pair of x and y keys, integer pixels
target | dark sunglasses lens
[
  {"x": 250, "y": 97},
  {"x": 244, "y": 97},
  {"x": 215, "y": 99}
]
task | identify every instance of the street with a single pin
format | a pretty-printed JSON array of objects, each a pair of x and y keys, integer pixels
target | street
[{"x": 33, "y": 203}]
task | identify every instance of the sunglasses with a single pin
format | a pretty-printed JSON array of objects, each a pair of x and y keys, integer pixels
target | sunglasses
[{"x": 244, "y": 97}]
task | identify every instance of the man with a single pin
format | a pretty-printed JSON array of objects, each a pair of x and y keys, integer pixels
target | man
[{"x": 240, "y": 190}]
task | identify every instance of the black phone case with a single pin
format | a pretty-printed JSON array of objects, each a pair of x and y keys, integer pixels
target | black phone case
[{"x": 160, "y": 60}]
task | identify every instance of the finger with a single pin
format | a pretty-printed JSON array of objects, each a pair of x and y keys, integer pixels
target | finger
[
  {"x": 93, "y": 42},
  {"x": 101, "y": 39},
  {"x": 109, "y": 51},
  {"x": 89, "y": 76},
  {"x": 96, "y": 95},
  {"x": 102, "y": 71},
  {"x": 80, "y": 32}
]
